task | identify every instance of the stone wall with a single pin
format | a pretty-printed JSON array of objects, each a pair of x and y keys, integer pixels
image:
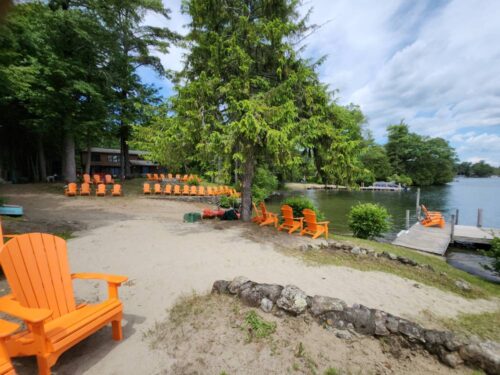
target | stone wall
[{"x": 345, "y": 321}]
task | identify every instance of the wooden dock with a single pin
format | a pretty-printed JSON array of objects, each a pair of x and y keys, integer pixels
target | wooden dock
[{"x": 436, "y": 240}]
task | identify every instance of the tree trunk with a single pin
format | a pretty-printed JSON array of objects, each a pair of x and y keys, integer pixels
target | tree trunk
[
  {"x": 41, "y": 159},
  {"x": 124, "y": 159},
  {"x": 69, "y": 165},
  {"x": 246, "y": 191},
  {"x": 88, "y": 160}
]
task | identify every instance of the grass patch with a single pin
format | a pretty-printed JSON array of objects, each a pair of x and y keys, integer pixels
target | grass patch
[
  {"x": 485, "y": 325},
  {"x": 258, "y": 327},
  {"x": 331, "y": 371},
  {"x": 65, "y": 235},
  {"x": 443, "y": 277}
]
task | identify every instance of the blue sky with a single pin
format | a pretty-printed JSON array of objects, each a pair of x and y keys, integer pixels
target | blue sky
[{"x": 433, "y": 63}]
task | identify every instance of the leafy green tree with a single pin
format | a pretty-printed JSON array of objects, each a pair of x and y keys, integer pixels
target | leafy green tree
[
  {"x": 374, "y": 158},
  {"x": 482, "y": 169},
  {"x": 464, "y": 169}
]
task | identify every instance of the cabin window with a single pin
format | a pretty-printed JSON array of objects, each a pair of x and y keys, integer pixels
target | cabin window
[{"x": 114, "y": 158}]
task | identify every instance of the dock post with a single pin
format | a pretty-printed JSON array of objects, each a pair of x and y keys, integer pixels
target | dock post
[
  {"x": 479, "y": 217},
  {"x": 417, "y": 207},
  {"x": 453, "y": 218},
  {"x": 456, "y": 217},
  {"x": 407, "y": 219}
]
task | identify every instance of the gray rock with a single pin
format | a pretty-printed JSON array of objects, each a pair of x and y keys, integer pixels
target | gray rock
[
  {"x": 266, "y": 305},
  {"x": 293, "y": 300},
  {"x": 350, "y": 326},
  {"x": 322, "y": 304},
  {"x": 452, "y": 341},
  {"x": 220, "y": 286},
  {"x": 356, "y": 250},
  {"x": 418, "y": 286},
  {"x": 434, "y": 337},
  {"x": 322, "y": 243},
  {"x": 463, "y": 285},
  {"x": 235, "y": 285},
  {"x": 270, "y": 291},
  {"x": 486, "y": 355},
  {"x": 363, "y": 320},
  {"x": 251, "y": 297},
  {"x": 411, "y": 262},
  {"x": 451, "y": 359},
  {"x": 392, "y": 323},
  {"x": 411, "y": 330},
  {"x": 379, "y": 318},
  {"x": 343, "y": 334},
  {"x": 403, "y": 260},
  {"x": 304, "y": 247},
  {"x": 429, "y": 267}
]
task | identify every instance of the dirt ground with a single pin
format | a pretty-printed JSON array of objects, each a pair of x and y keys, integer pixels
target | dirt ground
[
  {"x": 165, "y": 258},
  {"x": 211, "y": 332}
]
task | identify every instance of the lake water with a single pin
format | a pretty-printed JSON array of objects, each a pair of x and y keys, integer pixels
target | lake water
[{"x": 465, "y": 194}]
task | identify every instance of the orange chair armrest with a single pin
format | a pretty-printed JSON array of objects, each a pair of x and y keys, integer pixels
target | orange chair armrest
[
  {"x": 7, "y": 328},
  {"x": 113, "y": 279},
  {"x": 322, "y": 222},
  {"x": 298, "y": 218},
  {"x": 10, "y": 306}
]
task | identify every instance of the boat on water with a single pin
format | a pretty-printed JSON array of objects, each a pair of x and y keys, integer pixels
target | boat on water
[
  {"x": 11, "y": 210},
  {"x": 385, "y": 186}
]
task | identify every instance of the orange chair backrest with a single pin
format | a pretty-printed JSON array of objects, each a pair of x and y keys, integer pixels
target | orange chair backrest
[
  {"x": 193, "y": 190},
  {"x": 185, "y": 177},
  {"x": 85, "y": 188},
  {"x": 97, "y": 178},
  {"x": 209, "y": 190},
  {"x": 169, "y": 176},
  {"x": 185, "y": 189},
  {"x": 287, "y": 213},
  {"x": 177, "y": 189},
  {"x": 263, "y": 209},
  {"x": 37, "y": 270},
  {"x": 101, "y": 189},
  {"x": 148, "y": 176},
  {"x": 162, "y": 176},
  {"x": 155, "y": 176},
  {"x": 177, "y": 176},
  {"x": 108, "y": 179},
  {"x": 117, "y": 189},
  {"x": 147, "y": 188},
  {"x": 72, "y": 187},
  {"x": 426, "y": 212},
  {"x": 310, "y": 219},
  {"x": 157, "y": 188},
  {"x": 201, "y": 190},
  {"x": 86, "y": 178},
  {"x": 168, "y": 189}
]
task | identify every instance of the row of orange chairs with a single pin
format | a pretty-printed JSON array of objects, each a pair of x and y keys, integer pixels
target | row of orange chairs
[
  {"x": 170, "y": 176},
  {"x": 189, "y": 190},
  {"x": 96, "y": 179},
  {"x": 41, "y": 294},
  {"x": 306, "y": 224},
  {"x": 72, "y": 190}
]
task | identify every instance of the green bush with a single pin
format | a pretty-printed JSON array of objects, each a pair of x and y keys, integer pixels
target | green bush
[
  {"x": 228, "y": 202},
  {"x": 2, "y": 201},
  {"x": 193, "y": 181},
  {"x": 368, "y": 220},
  {"x": 401, "y": 179},
  {"x": 298, "y": 203},
  {"x": 494, "y": 252},
  {"x": 264, "y": 183}
]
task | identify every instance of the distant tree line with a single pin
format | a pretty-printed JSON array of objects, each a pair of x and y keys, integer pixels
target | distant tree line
[{"x": 479, "y": 169}]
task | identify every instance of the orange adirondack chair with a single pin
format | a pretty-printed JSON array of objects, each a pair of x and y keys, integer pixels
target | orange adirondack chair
[
  {"x": 290, "y": 223},
  {"x": 210, "y": 192},
  {"x": 117, "y": 190},
  {"x": 149, "y": 177},
  {"x": 185, "y": 178},
  {"x": 70, "y": 191},
  {"x": 168, "y": 189},
  {"x": 37, "y": 270},
  {"x": 185, "y": 190},
  {"x": 313, "y": 227},
  {"x": 6, "y": 329},
  {"x": 177, "y": 176},
  {"x": 162, "y": 177},
  {"x": 157, "y": 188},
  {"x": 86, "y": 178},
  {"x": 268, "y": 218},
  {"x": 146, "y": 188},
  {"x": 201, "y": 191},
  {"x": 156, "y": 177},
  {"x": 97, "y": 179},
  {"x": 177, "y": 190},
  {"x": 432, "y": 218},
  {"x": 193, "y": 190},
  {"x": 169, "y": 176},
  {"x": 108, "y": 179},
  {"x": 101, "y": 190},
  {"x": 84, "y": 189}
]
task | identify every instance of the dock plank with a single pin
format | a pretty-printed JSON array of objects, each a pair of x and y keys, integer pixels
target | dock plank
[
  {"x": 471, "y": 234},
  {"x": 432, "y": 240}
]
